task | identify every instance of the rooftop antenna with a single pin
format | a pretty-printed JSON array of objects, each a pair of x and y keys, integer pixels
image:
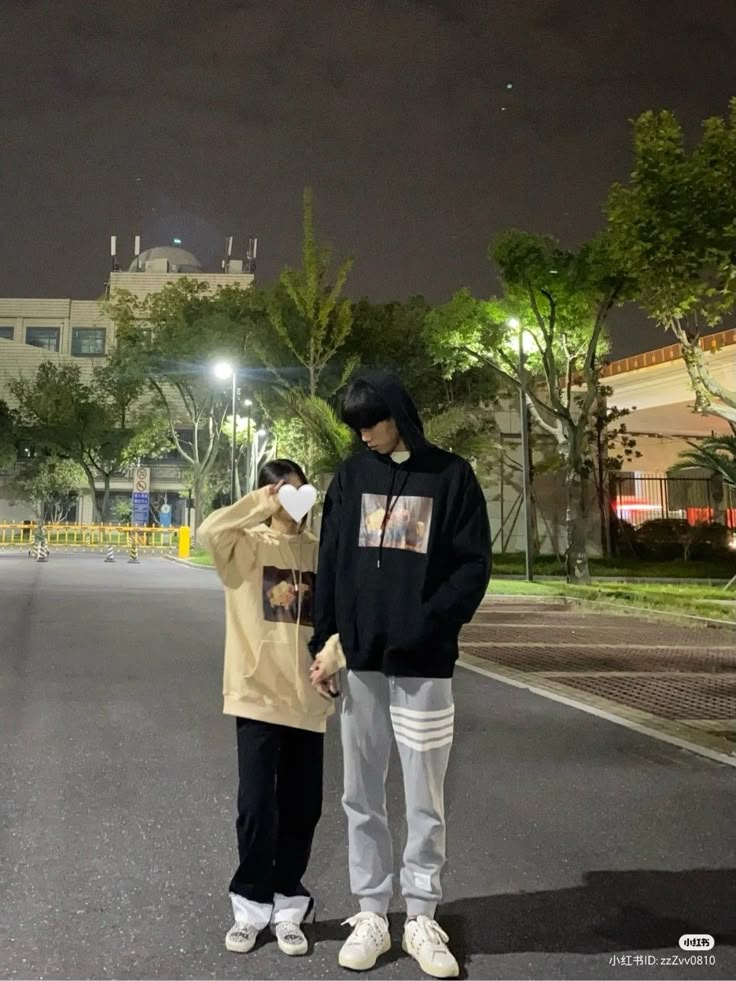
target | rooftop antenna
[
  {"x": 228, "y": 253},
  {"x": 114, "y": 253},
  {"x": 137, "y": 253},
  {"x": 251, "y": 254}
]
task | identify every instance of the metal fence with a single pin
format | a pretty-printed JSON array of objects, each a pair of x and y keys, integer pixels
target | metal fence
[
  {"x": 639, "y": 498},
  {"x": 97, "y": 538}
]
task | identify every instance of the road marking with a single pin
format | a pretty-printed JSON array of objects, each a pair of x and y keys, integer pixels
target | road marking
[
  {"x": 728, "y": 758},
  {"x": 592, "y": 647},
  {"x": 635, "y": 674},
  {"x": 546, "y": 626}
]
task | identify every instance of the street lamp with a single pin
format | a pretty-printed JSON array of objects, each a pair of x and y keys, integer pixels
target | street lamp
[
  {"x": 524, "y": 347},
  {"x": 248, "y": 447},
  {"x": 225, "y": 370}
]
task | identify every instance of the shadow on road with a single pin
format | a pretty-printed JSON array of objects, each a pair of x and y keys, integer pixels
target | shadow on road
[{"x": 635, "y": 911}]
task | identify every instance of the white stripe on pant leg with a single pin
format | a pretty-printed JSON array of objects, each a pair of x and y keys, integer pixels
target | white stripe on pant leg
[
  {"x": 427, "y": 736},
  {"x": 423, "y": 747},
  {"x": 419, "y": 728},
  {"x": 434, "y": 720},
  {"x": 421, "y": 714}
]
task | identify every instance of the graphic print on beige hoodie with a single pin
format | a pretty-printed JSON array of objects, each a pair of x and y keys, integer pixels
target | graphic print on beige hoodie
[{"x": 267, "y": 663}]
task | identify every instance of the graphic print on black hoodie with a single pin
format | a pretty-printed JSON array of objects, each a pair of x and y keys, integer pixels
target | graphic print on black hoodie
[
  {"x": 399, "y": 598},
  {"x": 408, "y": 525}
]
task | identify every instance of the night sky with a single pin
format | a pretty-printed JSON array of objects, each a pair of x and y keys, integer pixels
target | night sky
[{"x": 424, "y": 127}]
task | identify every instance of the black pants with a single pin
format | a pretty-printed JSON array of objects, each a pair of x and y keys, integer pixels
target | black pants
[{"x": 279, "y": 806}]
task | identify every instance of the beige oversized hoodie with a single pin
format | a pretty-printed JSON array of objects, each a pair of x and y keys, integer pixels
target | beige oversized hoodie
[{"x": 269, "y": 583}]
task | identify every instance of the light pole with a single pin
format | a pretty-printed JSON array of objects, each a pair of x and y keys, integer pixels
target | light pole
[
  {"x": 260, "y": 433},
  {"x": 514, "y": 324},
  {"x": 225, "y": 370},
  {"x": 249, "y": 447}
]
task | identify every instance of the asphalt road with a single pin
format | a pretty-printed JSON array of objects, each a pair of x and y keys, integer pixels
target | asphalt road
[{"x": 571, "y": 839}]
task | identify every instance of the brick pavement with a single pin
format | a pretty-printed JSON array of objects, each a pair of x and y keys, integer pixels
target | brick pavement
[{"x": 672, "y": 677}]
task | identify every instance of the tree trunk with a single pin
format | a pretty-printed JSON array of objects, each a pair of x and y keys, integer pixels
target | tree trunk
[
  {"x": 96, "y": 516},
  {"x": 199, "y": 483},
  {"x": 105, "y": 508},
  {"x": 718, "y": 497},
  {"x": 576, "y": 556}
]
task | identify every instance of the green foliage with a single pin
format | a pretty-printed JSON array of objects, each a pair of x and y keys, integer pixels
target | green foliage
[
  {"x": 170, "y": 340},
  {"x": 392, "y": 336},
  {"x": 715, "y": 453},
  {"x": 470, "y": 430},
  {"x": 309, "y": 318},
  {"x": 556, "y": 303},
  {"x": 48, "y": 485},
  {"x": 102, "y": 425},
  {"x": 673, "y": 231},
  {"x": 312, "y": 431},
  {"x": 8, "y": 449}
]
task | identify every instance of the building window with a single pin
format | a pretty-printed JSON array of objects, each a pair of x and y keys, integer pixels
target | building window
[
  {"x": 45, "y": 337},
  {"x": 6, "y": 333},
  {"x": 88, "y": 341}
]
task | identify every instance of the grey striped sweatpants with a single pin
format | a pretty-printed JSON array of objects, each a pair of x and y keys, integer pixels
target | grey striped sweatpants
[{"x": 419, "y": 714}]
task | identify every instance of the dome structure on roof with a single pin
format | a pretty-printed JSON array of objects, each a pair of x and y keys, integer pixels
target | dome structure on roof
[{"x": 178, "y": 260}]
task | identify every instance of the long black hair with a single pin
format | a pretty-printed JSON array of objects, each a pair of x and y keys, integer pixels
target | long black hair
[{"x": 273, "y": 471}]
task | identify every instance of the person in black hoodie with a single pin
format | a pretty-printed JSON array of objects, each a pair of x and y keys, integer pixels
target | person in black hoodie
[{"x": 404, "y": 562}]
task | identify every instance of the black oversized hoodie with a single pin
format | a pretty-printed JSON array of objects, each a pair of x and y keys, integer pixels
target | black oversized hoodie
[{"x": 398, "y": 591}]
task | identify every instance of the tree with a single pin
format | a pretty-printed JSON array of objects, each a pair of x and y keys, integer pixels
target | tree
[
  {"x": 102, "y": 425},
  {"x": 610, "y": 446},
  {"x": 392, "y": 336},
  {"x": 8, "y": 448},
  {"x": 49, "y": 486},
  {"x": 559, "y": 301},
  {"x": 673, "y": 232},
  {"x": 170, "y": 340},
  {"x": 307, "y": 313}
]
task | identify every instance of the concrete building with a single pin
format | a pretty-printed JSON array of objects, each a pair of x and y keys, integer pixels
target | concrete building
[{"x": 36, "y": 330}]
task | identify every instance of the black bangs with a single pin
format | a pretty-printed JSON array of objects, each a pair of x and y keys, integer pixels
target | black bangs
[{"x": 363, "y": 407}]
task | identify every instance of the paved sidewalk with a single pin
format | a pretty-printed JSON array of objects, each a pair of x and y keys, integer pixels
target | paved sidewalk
[{"x": 677, "y": 679}]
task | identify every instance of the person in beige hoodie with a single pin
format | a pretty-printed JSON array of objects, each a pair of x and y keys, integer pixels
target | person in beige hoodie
[{"x": 267, "y": 565}]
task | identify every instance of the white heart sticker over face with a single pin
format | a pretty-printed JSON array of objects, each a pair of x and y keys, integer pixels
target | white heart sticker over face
[{"x": 297, "y": 501}]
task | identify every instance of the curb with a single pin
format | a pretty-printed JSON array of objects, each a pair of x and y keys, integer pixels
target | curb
[
  {"x": 647, "y": 611},
  {"x": 655, "y": 614},
  {"x": 646, "y": 725},
  {"x": 188, "y": 564}
]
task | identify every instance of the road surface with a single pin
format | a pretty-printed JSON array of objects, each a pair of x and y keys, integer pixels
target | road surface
[{"x": 572, "y": 840}]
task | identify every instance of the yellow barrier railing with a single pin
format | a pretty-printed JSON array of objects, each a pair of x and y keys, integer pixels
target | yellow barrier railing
[{"x": 99, "y": 537}]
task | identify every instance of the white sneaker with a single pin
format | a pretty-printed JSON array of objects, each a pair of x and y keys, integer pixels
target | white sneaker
[
  {"x": 241, "y": 937},
  {"x": 426, "y": 942},
  {"x": 369, "y": 939},
  {"x": 290, "y": 938}
]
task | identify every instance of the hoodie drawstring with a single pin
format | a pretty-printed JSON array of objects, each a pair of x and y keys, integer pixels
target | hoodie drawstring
[
  {"x": 390, "y": 507},
  {"x": 298, "y": 587}
]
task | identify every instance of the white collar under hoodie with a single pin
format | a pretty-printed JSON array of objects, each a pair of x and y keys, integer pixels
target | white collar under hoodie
[{"x": 269, "y": 581}]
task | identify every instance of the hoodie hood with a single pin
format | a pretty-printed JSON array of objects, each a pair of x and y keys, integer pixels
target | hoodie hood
[{"x": 402, "y": 407}]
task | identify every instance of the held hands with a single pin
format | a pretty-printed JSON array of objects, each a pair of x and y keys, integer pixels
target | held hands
[{"x": 325, "y": 684}]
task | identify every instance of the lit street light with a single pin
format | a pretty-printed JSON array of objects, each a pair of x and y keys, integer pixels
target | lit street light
[
  {"x": 225, "y": 370},
  {"x": 515, "y": 325}
]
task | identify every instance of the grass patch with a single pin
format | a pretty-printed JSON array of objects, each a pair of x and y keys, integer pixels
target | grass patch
[
  {"x": 695, "y": 600},
  {"x": 625, "y": 568},
  {"x": 704, "y": 601},
  {"x": 200, "y": 556}
]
